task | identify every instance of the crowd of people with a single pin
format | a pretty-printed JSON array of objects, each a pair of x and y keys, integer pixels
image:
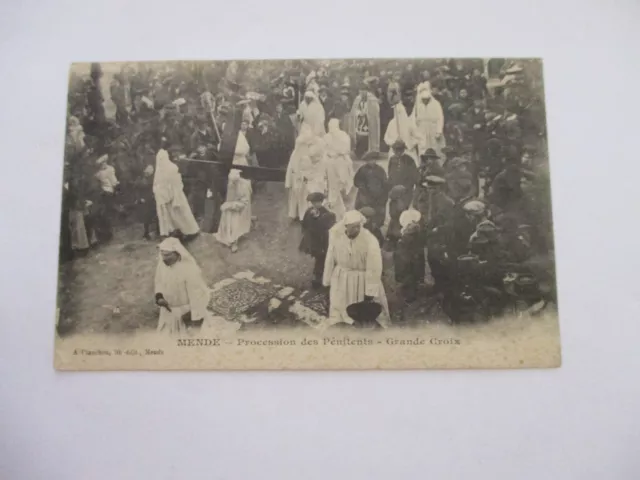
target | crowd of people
[{"x": 462, "y": 197}]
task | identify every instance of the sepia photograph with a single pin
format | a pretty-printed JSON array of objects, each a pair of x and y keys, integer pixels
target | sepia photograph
[{"x": 306, "y": 214}]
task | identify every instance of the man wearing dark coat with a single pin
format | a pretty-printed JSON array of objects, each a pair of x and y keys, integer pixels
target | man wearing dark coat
[
  {"x": 403, "y": 170},
  {"x": 438, "y": 219},
  {"x": 263, "y": 142},
  {"x": 145, "y": 201},
  {"x": 202, "y": 137},
  {"x": 285, "y": 136},
  {"x": 477, "y": 85},
  {"x": 316, "y": 223},
  {"x": 429, "y": 167},
  {"x": 409, "y": 261},
  {"x": 506, "y": 188},
  {"x": 460, "y": 180},
  {"x": 341, "y": 108},
  {"x": 373, "y": 189},
  {"x": 477, "y": 128}
]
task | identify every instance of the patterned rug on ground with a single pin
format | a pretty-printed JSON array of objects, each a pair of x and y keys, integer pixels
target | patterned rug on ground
[
  {"x": 316, "y": 301},
  {"x": 238, "y": 297}
]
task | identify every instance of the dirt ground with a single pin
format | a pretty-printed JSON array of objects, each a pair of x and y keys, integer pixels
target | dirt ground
[{"x": 121, "y": 273}]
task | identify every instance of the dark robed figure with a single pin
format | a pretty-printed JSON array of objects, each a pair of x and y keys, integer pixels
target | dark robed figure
[
  {"x": 316, "y": 223},
  {"x": 373, "y": 189},
  {"x": 403, "y": 170}
]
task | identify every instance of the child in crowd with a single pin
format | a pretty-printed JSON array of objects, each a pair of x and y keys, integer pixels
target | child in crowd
[{"x": 316, "y": 223}]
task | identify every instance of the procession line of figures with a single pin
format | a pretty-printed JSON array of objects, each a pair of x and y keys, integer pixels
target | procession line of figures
[
  {"x": 475, "y": 240},
  {"x": 347, "y": 245}
]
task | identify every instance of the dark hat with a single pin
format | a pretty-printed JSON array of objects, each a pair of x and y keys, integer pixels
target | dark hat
[
  {"x": 399, "y": 145},
  {"x": 430, "y": 153},
  {"x": 367, "y": 212},
  {"x": 315, "y": 197},
  {"x": 364, "y": 312}
]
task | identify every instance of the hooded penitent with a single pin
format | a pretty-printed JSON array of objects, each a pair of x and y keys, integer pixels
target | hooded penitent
[
  {"x": 181, "y": 285},
  {"x": 428, "y": 118}
]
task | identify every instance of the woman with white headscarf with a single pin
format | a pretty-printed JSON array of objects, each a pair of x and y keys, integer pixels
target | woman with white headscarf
[
  {"x": 172, "y": 206},
  {"x": 294, "y": 180},
  {"x": 311, "y": 112},
  {"x": 338, "y": 144},
  {"x": 353, "y": 269},
  {"x": 236, "y": 211},
  {"x": 428, "y": 118}
]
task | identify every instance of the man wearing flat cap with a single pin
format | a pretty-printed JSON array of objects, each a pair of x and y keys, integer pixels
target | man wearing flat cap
[
  {"x": 438, "y": 213},
  {"x": 466, "y": 216},
  {"x": 439, "y": 205}
]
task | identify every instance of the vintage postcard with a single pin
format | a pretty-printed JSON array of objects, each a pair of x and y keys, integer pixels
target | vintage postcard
[{"x": 306, "y": 214}]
